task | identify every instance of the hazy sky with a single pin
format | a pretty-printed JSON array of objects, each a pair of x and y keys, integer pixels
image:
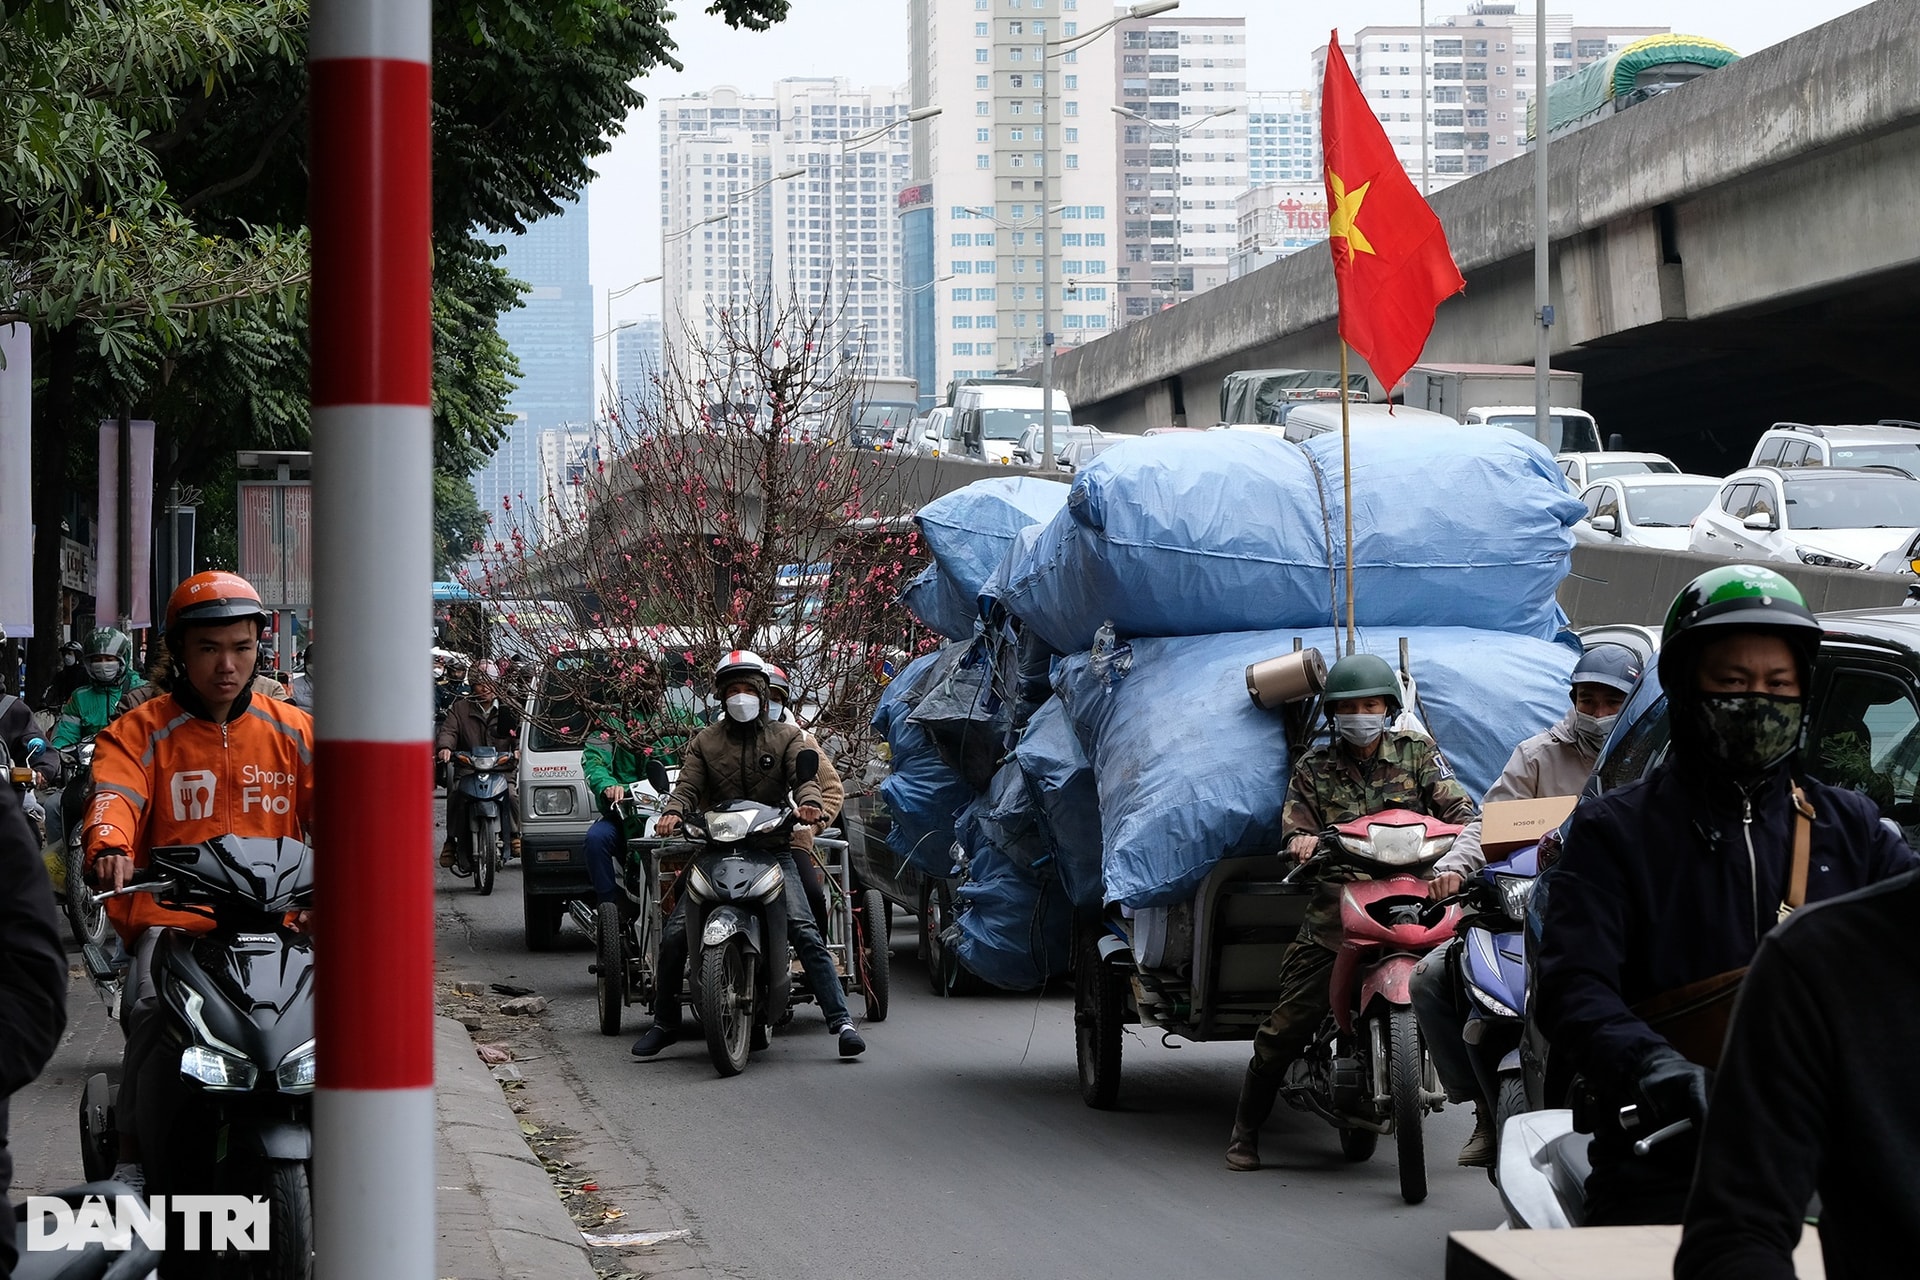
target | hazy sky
[{"x": 866, "y": 41}]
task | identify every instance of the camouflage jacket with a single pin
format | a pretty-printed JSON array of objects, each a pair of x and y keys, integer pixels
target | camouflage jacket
[{"x": 1331, "y": 785}]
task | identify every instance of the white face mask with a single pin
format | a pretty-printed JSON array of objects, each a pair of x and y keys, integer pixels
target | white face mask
[
  {"x": 68, "y": 660},
  {"x": 105, "y": 670},
  {"x": 1592, "y": 731},
  {"x": 776, "y": 709},
  {"x": 742, "y": 707},
  {"x": 1360, "y": 730}
]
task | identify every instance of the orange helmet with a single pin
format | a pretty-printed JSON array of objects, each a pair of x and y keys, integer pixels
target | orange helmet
[{"x": 214, "y": 596}]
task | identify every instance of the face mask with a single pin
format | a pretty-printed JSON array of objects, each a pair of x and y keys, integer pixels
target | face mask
[
  {"x": 776, "y": 709},
  {"x": 1746, "y": 733},
  {"x": 68, "y": 660},
  {"x": 105, "y": 670},
  {"x": 1592, "y": 731},
  {"x": 743, "y": 707},
  {"x": 1360, "y": 730}
]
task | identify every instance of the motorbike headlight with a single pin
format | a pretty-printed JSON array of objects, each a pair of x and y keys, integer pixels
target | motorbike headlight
[
  {"x": 296, "y": 1071},
  {"x": 1515, "y": 893},
  {"x": 767, "y": 884},
  {"x": 216, "y": 1070},
  {"x": 553, "y": 802},
  {"x": 1492, "y": 1004},
  {"x": 729, "y": 827}
]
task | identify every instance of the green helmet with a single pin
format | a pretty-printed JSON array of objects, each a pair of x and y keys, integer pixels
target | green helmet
[
  {"x": 108, "y": 644},
  {"x": 1361, "y": 675},
  {"x": 1745, "y": 597}
]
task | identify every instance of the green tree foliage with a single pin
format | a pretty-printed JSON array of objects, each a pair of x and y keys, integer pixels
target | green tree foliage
[{"x": 458, "y": 523}]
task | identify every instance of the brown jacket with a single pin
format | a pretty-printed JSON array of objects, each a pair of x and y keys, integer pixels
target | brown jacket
[
  {"x": 726, "y": 761},
  {"x": 468, "y": 724}
]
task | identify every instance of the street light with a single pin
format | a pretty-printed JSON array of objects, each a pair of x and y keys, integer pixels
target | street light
[
  {"x": 906, "y": 288},
  {"x": 621, "y": 293},
  {"x": 1178, "y": 131},
  {"x": 1055, "y": 49}
]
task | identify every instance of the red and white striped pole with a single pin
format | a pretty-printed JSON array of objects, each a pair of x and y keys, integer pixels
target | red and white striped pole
[{"x": 372, "y": 486}]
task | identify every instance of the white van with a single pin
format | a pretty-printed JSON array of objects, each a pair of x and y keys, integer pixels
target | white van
[
  {"x": 1305, "y": 421},
  {"x": 993, "y": 416},
  {"x": 1571, "y": 430}
]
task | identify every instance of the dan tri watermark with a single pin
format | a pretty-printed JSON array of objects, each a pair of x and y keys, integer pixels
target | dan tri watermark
[{"x": 204, "y": 1222}]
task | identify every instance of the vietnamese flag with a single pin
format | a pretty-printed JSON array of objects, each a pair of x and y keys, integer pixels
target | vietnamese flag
[{"x": 1390, "y": 256}]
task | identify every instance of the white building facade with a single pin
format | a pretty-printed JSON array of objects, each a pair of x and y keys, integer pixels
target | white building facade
[
  {"x": 1024, "y": 125},
  {"x": 1283, "y": 138}
]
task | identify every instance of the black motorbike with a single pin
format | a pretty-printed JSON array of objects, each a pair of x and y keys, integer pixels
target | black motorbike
[
  {"x": 480, "y": 848},
  {"x": 94, "y": 1261},
  {"x": 741, "y": 961},
  {"x": 85, "y": 916},
  {"x": 226, "y": 1105}
]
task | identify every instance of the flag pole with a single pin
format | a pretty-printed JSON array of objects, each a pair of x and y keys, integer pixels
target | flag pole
[{"x": 1346, "y": 480}]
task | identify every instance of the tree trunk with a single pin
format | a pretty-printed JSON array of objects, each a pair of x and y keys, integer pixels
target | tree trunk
[{"x": 52, "y": 432}]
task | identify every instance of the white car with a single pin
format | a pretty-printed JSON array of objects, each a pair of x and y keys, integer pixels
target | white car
[
  {"x": 1583, "y": 469},
  {"x": 1831, "y": 517},
  {"x": 1654, "y": 509},
  {"x": 1026, "y": 450}
]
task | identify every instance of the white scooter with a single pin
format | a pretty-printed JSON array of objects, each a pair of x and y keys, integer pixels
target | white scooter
[{"x": 1544, "y": 1168}]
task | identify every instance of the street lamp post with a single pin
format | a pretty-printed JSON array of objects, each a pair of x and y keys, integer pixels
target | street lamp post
[
  {"x": 847, "y": 146},
  {"x": 1178, "y": 134},
  {"x": 1059, "y": 49}
]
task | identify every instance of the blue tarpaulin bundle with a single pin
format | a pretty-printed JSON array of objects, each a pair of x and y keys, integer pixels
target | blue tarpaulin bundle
[
  {"x": 1189, "y": 771},
  {"x": 923, "y": 794},
  {"x": 1015, "y": 926},
  {"x": 1061, "y": 781},
  {"x": 1228, "y": 531},
  {"x": 939, "y": 604},
  {"x": 1008, "y": 818},
  {"x": 970, "y": 529}
]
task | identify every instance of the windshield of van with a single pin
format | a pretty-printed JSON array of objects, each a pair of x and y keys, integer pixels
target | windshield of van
[
  {"x": 1835, "y": 500},
  {"x": 1569, "y": 434},
  {"x": 1008, "y": 424},
  {"x": 877, "y": 417},
  {"x": 578, "y": 693}
]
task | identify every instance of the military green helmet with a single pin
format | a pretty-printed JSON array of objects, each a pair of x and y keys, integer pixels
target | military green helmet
[
  {"x": 106, "y": 642},
  {"x": 1362, "y": 675},
  {"x": 1746, "y": 597}
]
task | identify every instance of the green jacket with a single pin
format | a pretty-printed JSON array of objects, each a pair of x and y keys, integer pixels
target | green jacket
[
  {"x": 89, "y": 710},
  {"x": 611, "y": 762}
]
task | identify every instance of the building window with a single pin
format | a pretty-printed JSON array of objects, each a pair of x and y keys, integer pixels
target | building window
[
  {"x": 1073, "y": 108},
  {"x": 983, "y": 239},
  {"x": 983, "y": 135},
  {"x": 983, "y": 268},
  {"x": 980, "y": 30},
  {"x": 983, "y": 295},
  {"x": 980, "y": 55},
  {"x": 1073, "y": 162},
  {"x": 963, "y": 322},
  {"x": 1015, "y": 28},
  {"x": 963, "y": 295},
  {"x": 1016, "y": 54},
  {"x": 982, "y": 82},
  {"x": 959, "y": 268},
  {"x": 1070, "y": 240},
  {"x": 962, "y": 239},
  {"x": 983, "y": 162},
  {"x": 1016, "y": 135},
  {"x": 1073, "y": 82},
  {"x": 1096, "y": 238},
  {"x": 963, "y": 348},
  {"x": 1015, "y": 161},
  {"x": 1073, "y": 135},
  {"x": 1097, "y": 212}
]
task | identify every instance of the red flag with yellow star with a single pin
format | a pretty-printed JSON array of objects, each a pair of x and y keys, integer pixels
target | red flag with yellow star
[{"x": 1390, "y": 255}]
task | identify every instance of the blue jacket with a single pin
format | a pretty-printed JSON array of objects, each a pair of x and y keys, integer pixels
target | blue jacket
[{"x": 1654, "y": 891}]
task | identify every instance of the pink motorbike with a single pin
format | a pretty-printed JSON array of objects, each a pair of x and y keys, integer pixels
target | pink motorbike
[{"x": 1367, "y": 1071}]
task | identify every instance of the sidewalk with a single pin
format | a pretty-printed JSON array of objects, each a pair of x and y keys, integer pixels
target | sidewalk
[{"x": 498, "y": 1212}]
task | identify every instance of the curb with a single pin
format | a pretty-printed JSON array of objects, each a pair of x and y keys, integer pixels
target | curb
[{"x": 512, "y": 1204}]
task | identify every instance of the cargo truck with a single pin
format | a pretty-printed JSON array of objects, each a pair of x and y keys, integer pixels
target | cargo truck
[{"x": 1503, "y": 396}]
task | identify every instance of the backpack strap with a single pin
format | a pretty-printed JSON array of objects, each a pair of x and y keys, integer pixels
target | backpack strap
[{"x": 1803, "y": 816}]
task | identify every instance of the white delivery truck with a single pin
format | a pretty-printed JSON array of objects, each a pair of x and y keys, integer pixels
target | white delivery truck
[
  {"x": 991, "y": 417},
  {"x": 880, "y": 406},
  {"x": 1502, "y": 396}
]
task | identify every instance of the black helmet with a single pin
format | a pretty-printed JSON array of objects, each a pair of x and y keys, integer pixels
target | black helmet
[
  {"x": 1742, "y": 597},
  {"x": 1613, "y": 665},
  {"x": 1361, "y": 675}
]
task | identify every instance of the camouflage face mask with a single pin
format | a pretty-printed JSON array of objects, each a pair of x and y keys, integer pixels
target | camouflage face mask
[{"x": 1747, "y": 733}]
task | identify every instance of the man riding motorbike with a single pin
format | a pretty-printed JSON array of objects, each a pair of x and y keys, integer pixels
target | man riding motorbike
[
  {"x": 1367, "y": 766},
  {"x": 1666, "y": 886},
  {"x": 1554, "y": 763},
  {"x": 747, "y": 756},
  {"x": 206, "y": 759},
  {"x": 109, "y": 666},
  {"x": 480, "y": 719}
]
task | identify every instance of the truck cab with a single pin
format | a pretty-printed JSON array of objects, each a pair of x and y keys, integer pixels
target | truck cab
[
  {"x": 1569, "y": 430},
  {"x": 991, "y": 418}
]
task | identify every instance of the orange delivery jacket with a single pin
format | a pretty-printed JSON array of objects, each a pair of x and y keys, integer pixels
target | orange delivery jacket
[{"x": 164, "y": 776}]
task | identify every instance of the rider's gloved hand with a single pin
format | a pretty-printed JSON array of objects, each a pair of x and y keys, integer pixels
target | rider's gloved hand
[{"x": 1671, "y": 1088}]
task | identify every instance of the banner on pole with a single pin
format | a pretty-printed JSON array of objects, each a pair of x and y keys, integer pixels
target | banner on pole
[
  {"x": 16, "y": 479},
  {"x": 276, "y": 542},
  {"x": 108, "y": 608}
]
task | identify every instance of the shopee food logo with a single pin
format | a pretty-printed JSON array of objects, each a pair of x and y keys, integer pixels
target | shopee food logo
[{"x": 193, "y": 794}]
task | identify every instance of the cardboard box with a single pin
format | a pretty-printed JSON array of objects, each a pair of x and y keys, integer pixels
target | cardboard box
[{"x": 1506, "y": 825}]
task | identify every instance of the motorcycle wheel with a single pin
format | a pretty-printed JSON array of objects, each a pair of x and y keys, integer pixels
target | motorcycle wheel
[
  {"x": 725, "y": 1006},
  {"x": 609, "y": 969},
  {"x": 486, "y": 855},
  {"x": 876, "y": 958},
  {"x": 1406, "y": 1079},
  {"x": 1358, "y": 1145},
  {"x": 99, "y": 1142},
  {"x": 945, "y": 974},
  {"x": 289, "y": 1222},
  {"x": 1512, "y": 1101},
  {"x": 1099, "y": 1007},
  {"x": 86, "y": 918}
]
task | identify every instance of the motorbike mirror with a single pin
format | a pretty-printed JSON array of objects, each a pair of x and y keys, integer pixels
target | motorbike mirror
[
  {"x": 806, "y": 767},
  {"x": 657, "y": 777},
  {"x": 35, "y": 748}
]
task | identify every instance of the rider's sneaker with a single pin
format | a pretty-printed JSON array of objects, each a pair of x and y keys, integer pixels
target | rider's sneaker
[
  {"x": 1480, "y": 1148},
  {"x": 851, "y": 1045},
  {"x": 132, "y": 1176},
  {"x": 654, "y": 1039}
]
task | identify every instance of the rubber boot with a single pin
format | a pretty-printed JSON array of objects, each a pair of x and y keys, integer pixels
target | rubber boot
[
  {"x": 1257, "y": 1094},
  {"x": 446, "y": 853}
]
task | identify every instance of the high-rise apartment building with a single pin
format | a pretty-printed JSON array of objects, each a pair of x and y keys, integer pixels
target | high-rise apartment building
[
  {"x": 551, "y": 337},
  {"x": 1025, "y": 125},
  {"x": 1480, "y": 67},
  {"x": 1283, "y": 138},
  {"x": 1182, "y": 155},
  {"x": 735, "y": 228}
]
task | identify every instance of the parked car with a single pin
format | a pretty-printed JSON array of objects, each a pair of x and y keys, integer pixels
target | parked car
[
  {"x": 1080, "y": 452},
  {"x": 1584, "y": 469},
  {"x": 934, "y": 435},
  {"x": 1832, "y": 517},
  {"x": 1649, "y": 509},
  {"x": 1891, "y": 442},
  {"x": 1027, "y": 449}
]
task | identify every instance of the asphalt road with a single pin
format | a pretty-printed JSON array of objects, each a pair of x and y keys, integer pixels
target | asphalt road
[{"x": 958, "y": 1146}]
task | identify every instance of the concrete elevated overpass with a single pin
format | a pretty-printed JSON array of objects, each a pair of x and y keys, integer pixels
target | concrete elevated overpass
[{"x": 1743, "y": 250}]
